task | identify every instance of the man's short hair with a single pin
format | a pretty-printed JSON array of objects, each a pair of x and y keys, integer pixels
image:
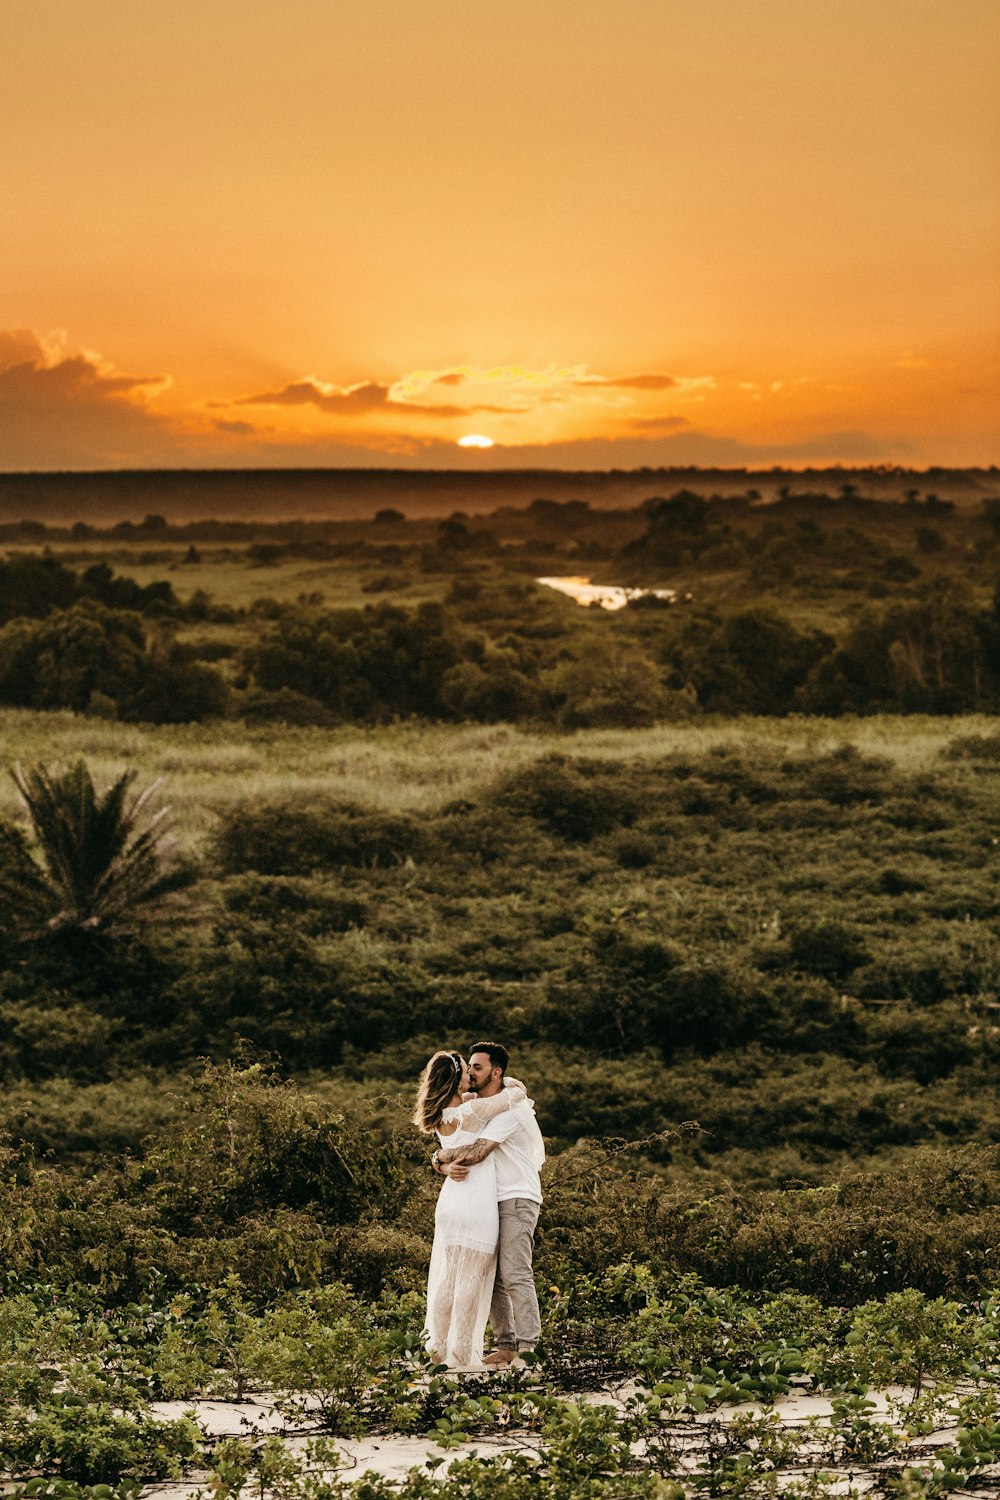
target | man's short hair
[{"x": 496, "y": 1052}]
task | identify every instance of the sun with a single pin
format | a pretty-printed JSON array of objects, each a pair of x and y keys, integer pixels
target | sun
[{"x": 475, "y": 440}]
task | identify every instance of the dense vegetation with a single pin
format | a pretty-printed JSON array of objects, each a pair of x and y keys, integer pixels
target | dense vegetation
[
  {"x": 750, "y": 968},
  {"x": 727, "y": 928},
  {"x": 811, "y": 603}
]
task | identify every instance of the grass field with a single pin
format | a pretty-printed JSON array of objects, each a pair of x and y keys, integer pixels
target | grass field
[{"x": 414, "y": 767}]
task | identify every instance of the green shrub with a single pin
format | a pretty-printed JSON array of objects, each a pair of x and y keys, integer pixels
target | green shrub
[
  {"x": 285, "y": 706},
  {"x": 575, "y": 800},
  {"x": 293, "y": 840},
  {"x": 635, "y": 850},
  {"x": 361, "y": 664},
  {"x": 90, "y": 653},
  {"x": 910, "y": 1337},
  {"x": 255, "y": 1146},
  {"x": 89, "y": 1441},
  {"x": 830, "y": 949},
  {"x": 70, "y": 1040},
  {"x": 975, "y": 747},
  {"x": 268, "y": 985},
  {"x": 292, "y": 899},
  {"x": 321, "y": 1350}
]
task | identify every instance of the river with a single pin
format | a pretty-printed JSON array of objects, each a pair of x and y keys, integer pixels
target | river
[{"x": 606, "y": 595}]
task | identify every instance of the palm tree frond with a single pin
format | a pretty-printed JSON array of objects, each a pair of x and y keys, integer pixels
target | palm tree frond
[{"x": 96, "y": 867}]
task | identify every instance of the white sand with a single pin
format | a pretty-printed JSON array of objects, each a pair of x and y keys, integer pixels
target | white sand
[{"x": 393, "y": 1455}]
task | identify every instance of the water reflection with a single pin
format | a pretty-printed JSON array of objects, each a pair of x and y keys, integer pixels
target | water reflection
[{"x": 606, "y": 595}]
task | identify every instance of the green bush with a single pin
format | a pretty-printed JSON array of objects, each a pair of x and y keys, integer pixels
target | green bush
[
  {"x": 361, "y": 664},
  {"x": 90, "y": 1442},
  {"x": 322, "y": 1349},
  {"x": 293, "y": 840},
  {"x": 575, "y": 800},
  {"x": 830, "y": 949},
  {"x": 285, "y": 706},
  {"x": 256, "y": 1145},
  {"x": 292, "y": 899},
  {"x": 92, "y": 657}
]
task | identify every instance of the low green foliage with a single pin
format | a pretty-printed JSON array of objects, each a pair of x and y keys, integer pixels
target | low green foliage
[
  {"x": 782, "y": 931},
  {"x": 76, "y": 1437},
  {"x": 354, "y": 1365}
]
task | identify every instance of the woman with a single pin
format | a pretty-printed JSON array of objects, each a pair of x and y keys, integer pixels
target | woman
[{"x": 466, "y": 1221}]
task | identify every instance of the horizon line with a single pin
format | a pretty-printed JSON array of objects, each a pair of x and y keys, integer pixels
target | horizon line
[{"x": 882, "y": 468}]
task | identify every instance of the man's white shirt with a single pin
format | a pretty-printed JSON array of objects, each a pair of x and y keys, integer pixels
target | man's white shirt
[{"x": 519, "y": 1155}]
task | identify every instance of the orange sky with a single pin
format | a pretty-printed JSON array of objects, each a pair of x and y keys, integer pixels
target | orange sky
[{"x": 603, "y": 235}]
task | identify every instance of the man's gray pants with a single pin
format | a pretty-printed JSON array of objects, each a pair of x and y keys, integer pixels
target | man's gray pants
[{"x": 514, "y": 1310}]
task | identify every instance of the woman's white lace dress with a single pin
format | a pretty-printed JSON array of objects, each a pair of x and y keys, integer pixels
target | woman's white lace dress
[{"x": 464, "y": 1254}]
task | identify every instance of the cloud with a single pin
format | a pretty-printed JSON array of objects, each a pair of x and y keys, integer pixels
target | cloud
[
  {"x": 357, "y": 400},
  {"x": 516, "y": 390},
  {"x": 70, "y": 408},
  {"x": 60, "y": 410},
  {"x": 237, "y": 429},
  {"x": 651, "y": 382},
  {"x": 657, "y": 424},
  {"x": 544, "y": 377},
  {"x": 28, "y": 367},
  {"x": 21, "y": 346},
  {"x": 526, "y": 376}
]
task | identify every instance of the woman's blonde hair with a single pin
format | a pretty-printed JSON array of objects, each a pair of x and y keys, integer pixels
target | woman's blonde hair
[{"x": 438, "y": 1082}]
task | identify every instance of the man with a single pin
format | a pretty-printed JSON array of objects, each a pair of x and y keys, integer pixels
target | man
[{"x": 519, "y": 1150}]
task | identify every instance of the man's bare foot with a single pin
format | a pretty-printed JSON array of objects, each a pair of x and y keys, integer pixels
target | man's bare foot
[{"x": 500, "y": 1358}]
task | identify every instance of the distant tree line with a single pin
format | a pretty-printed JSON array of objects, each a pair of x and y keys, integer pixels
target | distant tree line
[
  {"x": 935, "y": 653},
  {"x": 497, "y": 649}
]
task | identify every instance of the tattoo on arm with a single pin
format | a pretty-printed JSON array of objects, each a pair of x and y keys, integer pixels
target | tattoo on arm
[{"x": 468, "y": 1155}]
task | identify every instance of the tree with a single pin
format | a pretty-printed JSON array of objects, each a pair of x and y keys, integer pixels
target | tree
[
  {"x": 751, "y": 661},
  {"x": 97, "y": 862},
  {"x": 932, "y": 654},
  {"x": 612, "y": 686},
  {"x": 361, "y": 664},
  {"x": 91, "y": 658},
  {"x": 59, "y": 662}
]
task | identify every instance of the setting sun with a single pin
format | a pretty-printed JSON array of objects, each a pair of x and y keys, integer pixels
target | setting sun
[{"x": 475, "y": 440}]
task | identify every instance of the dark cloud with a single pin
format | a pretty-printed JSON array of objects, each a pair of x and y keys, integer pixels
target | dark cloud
[
  {"x": 20, "y": 346},
  {"x": 28, "y": 372},
  {"x": 371, "y": 396},
  {"x": 75, "y": 379},
  {"x": 414, "y": 408},
  {"x": 643, "y": 382},
  {"x": 238, "y": 429},
  {"x": 650, "y": 382},
  {"x": 73, "y": 412},
  {"x": 665, "y": 423},
  {"x": 363, "y": 398}
]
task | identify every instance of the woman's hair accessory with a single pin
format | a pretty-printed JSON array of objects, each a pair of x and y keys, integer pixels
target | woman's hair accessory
[{"x": 456, "y": 1063}]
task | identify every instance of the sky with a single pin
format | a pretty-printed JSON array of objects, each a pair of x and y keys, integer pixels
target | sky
[{"x": 499, "y": 233}]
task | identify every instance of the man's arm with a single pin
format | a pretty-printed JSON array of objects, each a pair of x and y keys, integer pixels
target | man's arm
[
  {"x": 476, "y": 1151},
  {"x": 495, "y": 1133}
]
